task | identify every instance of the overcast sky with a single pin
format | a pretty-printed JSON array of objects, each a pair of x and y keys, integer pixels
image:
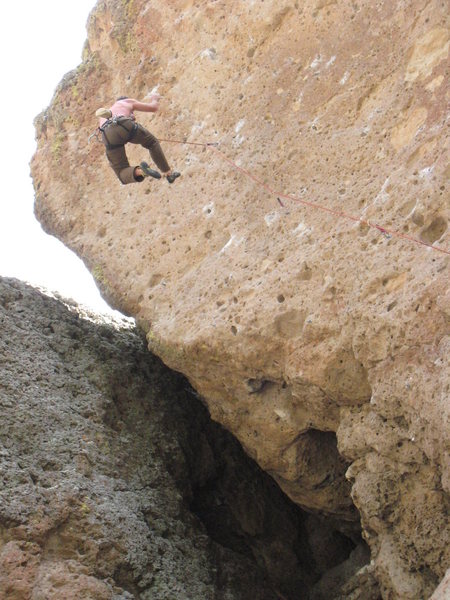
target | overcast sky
[{"x": 41, "y": 41}]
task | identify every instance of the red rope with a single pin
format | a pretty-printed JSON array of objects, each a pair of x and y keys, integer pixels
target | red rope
[
  {"x": 337, "y": 213},
  {"x": 189, "y": 143}
]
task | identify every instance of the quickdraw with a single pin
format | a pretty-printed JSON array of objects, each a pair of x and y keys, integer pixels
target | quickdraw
[{"x": 95, "y": 134}]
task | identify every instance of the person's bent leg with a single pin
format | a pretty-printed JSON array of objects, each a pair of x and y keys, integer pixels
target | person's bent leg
[
  {"x": 119, "y": 163},
  {"x": 150, "y": 142}
]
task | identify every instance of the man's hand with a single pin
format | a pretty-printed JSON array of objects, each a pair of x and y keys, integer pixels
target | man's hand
[
  {"x": 150, "y": 104},
  {"x": 154, "y": 99}
]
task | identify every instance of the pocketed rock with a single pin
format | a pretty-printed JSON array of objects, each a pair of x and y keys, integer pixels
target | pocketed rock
[{"x": 319, "y": 341}]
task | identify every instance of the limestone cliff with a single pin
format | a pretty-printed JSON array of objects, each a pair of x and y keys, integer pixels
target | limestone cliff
[{"x": 319, "y": 341}]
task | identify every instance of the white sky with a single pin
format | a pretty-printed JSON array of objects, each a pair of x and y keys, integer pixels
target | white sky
[{"x": 41, "y": 40}]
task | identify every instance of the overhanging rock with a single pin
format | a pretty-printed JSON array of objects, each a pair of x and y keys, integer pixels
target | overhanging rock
[{"x": 294, "y": 324}]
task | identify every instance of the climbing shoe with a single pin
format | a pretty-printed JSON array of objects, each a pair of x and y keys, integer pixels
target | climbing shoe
[
  {"x": 171, "y": 178},
  {"x": 149, "y": 172}
]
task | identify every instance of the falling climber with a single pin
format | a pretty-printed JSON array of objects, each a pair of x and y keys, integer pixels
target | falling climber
[{"x": 118, "y": 127}]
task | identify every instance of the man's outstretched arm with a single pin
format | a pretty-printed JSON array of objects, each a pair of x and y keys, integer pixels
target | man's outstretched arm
[{"x": 151, "y": 106}]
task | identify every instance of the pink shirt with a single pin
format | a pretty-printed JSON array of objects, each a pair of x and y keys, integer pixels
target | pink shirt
[{"x": 126, "y": 108}]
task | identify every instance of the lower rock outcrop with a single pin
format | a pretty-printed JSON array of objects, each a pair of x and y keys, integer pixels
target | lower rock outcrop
[{"x": 116, "y": 484}]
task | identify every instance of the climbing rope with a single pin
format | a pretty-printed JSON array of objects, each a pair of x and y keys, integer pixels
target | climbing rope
[{"x": 388, "y": 233}]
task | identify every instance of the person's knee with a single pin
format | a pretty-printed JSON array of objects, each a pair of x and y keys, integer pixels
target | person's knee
[
  {"x": 128, "y": 175},
  {"x": 123, "y": 179}
]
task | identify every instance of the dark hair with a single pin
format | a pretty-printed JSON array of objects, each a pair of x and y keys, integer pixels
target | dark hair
[{"x": 121, "y": 98}]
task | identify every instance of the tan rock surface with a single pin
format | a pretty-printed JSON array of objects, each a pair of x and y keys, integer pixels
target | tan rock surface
[
  {"x": 294, "y": 324},
  {"x": 443, "y": 590}
]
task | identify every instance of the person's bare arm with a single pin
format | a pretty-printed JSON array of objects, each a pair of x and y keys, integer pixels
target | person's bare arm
[{"x": 151, "y": 106}]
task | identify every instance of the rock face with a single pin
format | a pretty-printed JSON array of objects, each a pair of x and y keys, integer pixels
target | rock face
[
  {"x": 319, "y": 341},
  {"x": 116, "y": 484}
]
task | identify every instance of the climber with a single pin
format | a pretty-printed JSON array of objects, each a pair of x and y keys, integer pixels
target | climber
[{"x": 118, "y": 127}]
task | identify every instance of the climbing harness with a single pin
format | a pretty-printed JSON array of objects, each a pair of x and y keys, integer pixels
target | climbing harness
[
  {"x": 101, "y": 130},
  {"x": 115, "y": 121}
]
